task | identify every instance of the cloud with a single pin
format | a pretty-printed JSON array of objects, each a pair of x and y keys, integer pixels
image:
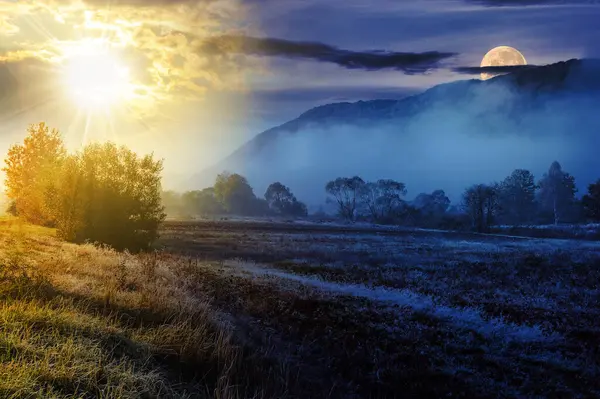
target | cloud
[
  {"x": 154, "y": 38},
  {"x": 492, "y": 69},
  {"x": 527, "y": 3},
  {"x": 141, "y": 3},
  {"x": 6, "y": 27},
  {"x": 366, "y": 60}
]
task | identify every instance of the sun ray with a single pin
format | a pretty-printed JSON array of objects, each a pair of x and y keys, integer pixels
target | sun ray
[
  {"x": 141, "y": 121},
  {"x": 111, "y": 125},
  {"x": 36, "y": 25},
  {"x": 23, "y": 110},
  {"x": 88, "y": 118},
  {"x": 75, "y": 123}
]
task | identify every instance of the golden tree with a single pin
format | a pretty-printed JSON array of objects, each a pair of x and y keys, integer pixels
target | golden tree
[
  {"x": 32, "y": 170},
  {"x": 110, "y": 195}
]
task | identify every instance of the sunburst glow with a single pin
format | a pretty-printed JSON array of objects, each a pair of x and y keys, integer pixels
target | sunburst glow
[{"x": 95, "y": 78}]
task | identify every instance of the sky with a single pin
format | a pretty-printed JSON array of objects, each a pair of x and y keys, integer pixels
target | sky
[{"x": 192, "y": 80}]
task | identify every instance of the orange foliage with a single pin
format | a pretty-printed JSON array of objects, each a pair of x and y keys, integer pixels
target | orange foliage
[
  {"x": 105, "y": 194},
  {"x": 32, "y": 170}
]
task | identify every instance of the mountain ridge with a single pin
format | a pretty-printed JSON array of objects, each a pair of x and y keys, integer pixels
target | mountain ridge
[{"x": 497, "y": 105}]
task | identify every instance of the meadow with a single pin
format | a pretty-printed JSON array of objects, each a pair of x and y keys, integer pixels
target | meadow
[{"x": 246, "y": 308}]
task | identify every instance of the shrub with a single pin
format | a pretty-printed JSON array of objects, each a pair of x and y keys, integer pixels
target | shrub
[{"x": 108, "y": 194}]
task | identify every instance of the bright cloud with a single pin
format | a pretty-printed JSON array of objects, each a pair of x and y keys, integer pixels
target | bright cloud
[{"x": 155, "y": 40}]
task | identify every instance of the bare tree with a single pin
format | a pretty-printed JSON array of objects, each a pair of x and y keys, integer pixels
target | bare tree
[
  {"x": 346, "y": 192},
  {"x": 383, "y": 198}
]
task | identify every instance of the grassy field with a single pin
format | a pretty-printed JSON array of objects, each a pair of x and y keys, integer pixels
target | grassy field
[
  {"x": 230, "y": 309},
  {"x": 87, "y": 322}
]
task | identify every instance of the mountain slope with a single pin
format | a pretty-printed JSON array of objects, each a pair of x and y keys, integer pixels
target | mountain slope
[{"x": 448, "y": 137}]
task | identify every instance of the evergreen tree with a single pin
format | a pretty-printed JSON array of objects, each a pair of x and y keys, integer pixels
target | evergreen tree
[
  {"x": 591, "y": 202},
  {"x": 517, "y": 197},
  {"x": 557, "y": 192}
]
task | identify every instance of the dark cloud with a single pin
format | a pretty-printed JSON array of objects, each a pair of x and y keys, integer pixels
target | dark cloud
[
  {"x": 525, "y": 3},
  {"x": 492, "y": 69},
  {"x": 367, "y": 60}
]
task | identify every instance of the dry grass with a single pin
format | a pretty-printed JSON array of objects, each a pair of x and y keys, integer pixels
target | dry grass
[
  {"x": 81, "y": 321},
  {"x": 243, "y": 310}
]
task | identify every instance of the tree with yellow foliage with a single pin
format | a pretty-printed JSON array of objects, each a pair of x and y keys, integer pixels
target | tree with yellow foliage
[
  {"x": 104, "y": 193},
  {"x": 32, "y": 171},
  {"x": 110, "y": 195}
]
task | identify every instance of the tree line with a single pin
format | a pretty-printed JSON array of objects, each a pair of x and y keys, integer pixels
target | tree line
[
  {"x": 519, "y": 200},
  {"x": 232, "y": 195},
  {"x": 383, "y": 201},
  {"x": 516, "y": 200},
  {"x": 108, "y": 194},
  {"x": 103, "y": 193}
]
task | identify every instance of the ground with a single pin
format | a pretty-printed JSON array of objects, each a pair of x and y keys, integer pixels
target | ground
[{"x": 262, "y": 309}]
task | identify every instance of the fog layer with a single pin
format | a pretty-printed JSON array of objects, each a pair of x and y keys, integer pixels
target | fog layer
[{"x": 448, "y": 138}]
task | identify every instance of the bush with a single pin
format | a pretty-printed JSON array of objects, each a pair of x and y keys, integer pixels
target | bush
[
  {"x": 108, "y": 194},
  {"x": 105, "y": 194}
]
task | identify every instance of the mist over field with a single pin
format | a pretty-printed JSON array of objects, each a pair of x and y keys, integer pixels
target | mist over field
[
  {"x": 449, "y": 137},
  {"x": 446, "y": 159}
]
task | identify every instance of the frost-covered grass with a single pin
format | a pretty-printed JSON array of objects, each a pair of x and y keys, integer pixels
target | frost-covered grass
[
  {"x": 462, "y": 317},
  {"x": 525, "y": 272},
  {"x": 589, "y": 231},
  {"x": 502, "y": 313},
  {"x": 565, "y": 227}
]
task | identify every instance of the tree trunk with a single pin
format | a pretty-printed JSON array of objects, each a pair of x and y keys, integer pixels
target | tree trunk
[
  {"x": 480, "y": 216},
  {"x": 555, "y": 212}
]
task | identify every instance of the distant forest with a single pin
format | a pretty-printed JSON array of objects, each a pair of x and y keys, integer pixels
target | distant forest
[{"x": 517, "y": 200}]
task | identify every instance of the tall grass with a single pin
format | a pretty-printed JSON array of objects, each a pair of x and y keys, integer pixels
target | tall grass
[{"x": 82, "y": 321}]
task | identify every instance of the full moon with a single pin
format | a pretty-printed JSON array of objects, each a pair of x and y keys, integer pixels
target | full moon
[{"x": 501, "y": 56}]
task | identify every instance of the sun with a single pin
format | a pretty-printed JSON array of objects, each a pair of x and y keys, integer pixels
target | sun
[{"x": 94, "y": 77}]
